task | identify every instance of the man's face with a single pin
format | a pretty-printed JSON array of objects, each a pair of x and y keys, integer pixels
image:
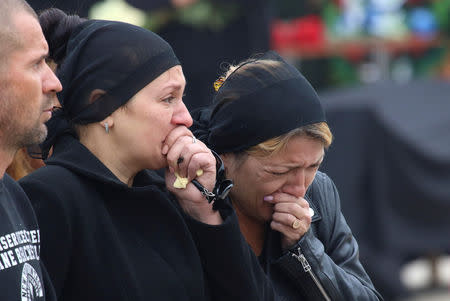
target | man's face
[{"x": 27, "y": 86}]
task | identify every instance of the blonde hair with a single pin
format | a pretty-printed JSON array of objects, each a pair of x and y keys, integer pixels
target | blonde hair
[
  {"x": 266, "y": 65},
  {"x": 317, "y": 131}
]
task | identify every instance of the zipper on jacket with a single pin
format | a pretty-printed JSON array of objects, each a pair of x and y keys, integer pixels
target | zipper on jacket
[{"x": 307, "y": 268}]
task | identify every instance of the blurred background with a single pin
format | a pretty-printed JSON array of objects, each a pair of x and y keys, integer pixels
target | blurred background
[{"x": 382, "y": 69}]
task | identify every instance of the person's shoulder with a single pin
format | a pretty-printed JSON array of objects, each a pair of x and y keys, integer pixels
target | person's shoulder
[
  {"x": 9, "y": 182},
  {"x": 13, "y": 187},
  {"x": 322, "y": 181},
  {"x": 17, "y": 199},
  {"x": 323, "y": 192},
  {"x": 49, "y": 182},
  {"x": 48, "y": 174}
]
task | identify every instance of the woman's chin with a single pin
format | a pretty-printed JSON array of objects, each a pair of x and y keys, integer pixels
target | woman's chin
[{"x": 266, "y": 213}]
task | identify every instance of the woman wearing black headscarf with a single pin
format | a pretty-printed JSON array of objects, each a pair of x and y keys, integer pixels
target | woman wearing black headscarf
[
  {"x": 111, "y": 228},
  {"x": 269, "y": 127}
]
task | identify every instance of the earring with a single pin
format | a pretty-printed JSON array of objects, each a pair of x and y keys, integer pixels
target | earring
[{"x": 106, "y": 127}]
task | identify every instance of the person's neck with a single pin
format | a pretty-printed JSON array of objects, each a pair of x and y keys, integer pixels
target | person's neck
[
  {"x": 6, "y": 158},
  {"x": 111, "y": 160},
  {"x": 252, "y": 229}
]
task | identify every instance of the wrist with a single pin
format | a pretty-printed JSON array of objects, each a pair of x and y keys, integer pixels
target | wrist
[{"x": 204, "y": 213}]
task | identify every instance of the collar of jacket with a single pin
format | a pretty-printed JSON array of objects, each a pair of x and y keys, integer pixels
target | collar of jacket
[
  {"x": 310, "y": 199},
  {"x": 71, "y": 154}
]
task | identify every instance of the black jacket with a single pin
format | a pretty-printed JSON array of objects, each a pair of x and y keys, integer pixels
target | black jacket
[
  {"x": 103, "y": 240},
  {"x": 326, "y": 258},
  {"x": 22, "y": 274}
]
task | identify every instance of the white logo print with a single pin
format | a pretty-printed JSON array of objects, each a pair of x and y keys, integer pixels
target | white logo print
[{"x": 31, "y": 287}]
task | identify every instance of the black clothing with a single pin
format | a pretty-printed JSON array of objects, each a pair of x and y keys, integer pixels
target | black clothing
[
  {"x": 104, "y": 240},
  {"x": 280, "y": 99},
  {"x": 329, "y": 249},
  {"x": 325, "y": 262},
  {"x": 116, "y": 57},
  {"x": 21, "y": 272}
]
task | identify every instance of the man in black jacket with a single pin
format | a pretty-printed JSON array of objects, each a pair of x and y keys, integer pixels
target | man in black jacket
[{"x": 27, "y": 94}]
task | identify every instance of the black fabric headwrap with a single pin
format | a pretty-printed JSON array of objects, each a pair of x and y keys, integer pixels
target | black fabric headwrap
[
  {"x": 264, "y": 106},
  {"x": 116, "y": 57}
]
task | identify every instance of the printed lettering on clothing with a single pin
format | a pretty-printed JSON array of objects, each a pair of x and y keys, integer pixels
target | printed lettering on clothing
[
  {"x": 19, "y": 247},
  {"x": 31, "y": 287}
]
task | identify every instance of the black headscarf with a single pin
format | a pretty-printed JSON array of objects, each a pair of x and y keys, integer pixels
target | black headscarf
[
  {"x": 257, "y": 104},
  {"x": 116, "y": 57}
]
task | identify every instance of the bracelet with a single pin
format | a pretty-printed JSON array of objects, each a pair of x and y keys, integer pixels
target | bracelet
[{"x": 221, "y": 188}]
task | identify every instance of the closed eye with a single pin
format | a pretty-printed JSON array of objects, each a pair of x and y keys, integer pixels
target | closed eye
[{"x": 277, "y": 173}]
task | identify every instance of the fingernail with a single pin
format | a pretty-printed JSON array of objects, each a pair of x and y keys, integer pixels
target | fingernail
[
  {"x": 268, "y": 198},
  {"x": 165, "y": 149}
]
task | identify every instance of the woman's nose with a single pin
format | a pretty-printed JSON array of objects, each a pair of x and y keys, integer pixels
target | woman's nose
[
  {"x": 181, "y": 116},
  {"x": 296, "y": 184}
]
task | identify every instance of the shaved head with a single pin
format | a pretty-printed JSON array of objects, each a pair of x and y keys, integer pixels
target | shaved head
[{"x": 9, "y": 40}]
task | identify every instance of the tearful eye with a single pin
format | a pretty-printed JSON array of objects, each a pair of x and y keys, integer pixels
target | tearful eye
[
  {"x": 278, "y": 173},
  {"x": 169, "y": 99}
]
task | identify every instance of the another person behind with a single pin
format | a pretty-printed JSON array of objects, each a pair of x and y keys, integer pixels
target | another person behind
[
  {"x": 268, "y": 125},
  {"x": 110, "y": 228},
  {"x": 27, "y": 94},
  {"x": 23, "y": 164}
]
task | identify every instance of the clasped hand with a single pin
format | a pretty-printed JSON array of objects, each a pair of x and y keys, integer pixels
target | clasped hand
[
  {"x": 186, "y": 156},
  {"x": 291, "y": 217}
]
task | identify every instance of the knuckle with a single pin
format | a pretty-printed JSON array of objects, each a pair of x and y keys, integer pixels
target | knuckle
[
  {"x": 308, "y": 219},
  {"x": 295, "y": 207},
  {"x": 301, "y": 200}
]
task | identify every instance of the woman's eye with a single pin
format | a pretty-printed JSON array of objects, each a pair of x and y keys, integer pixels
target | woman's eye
[
  {"x": 169, "y": 99},
  {"x": 277, "y": 173}
]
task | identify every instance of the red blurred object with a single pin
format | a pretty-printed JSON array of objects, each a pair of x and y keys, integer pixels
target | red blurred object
[{"x": 305, "y": 31}]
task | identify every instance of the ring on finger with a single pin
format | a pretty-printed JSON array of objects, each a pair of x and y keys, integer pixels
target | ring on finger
[
  {"x": 296, "y": 224},
  {"x": 194, "y": 139}
]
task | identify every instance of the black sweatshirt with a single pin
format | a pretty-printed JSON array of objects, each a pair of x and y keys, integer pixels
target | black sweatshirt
[
  {"x": 21, "y": 275},
  {"x": 103, "y": 240}
]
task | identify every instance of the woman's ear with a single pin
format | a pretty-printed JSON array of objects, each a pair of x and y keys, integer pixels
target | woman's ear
[
  {"x": 107, "y": 123},
  {"x": 96, "y": 94}
]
